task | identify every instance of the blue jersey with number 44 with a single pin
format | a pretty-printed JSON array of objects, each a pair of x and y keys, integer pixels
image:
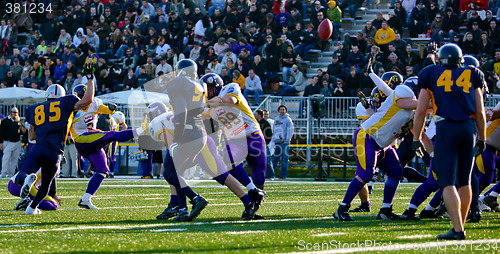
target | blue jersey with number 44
[
  {"x": 452, "y": 89},
  {"x": 51, "y": 120}
]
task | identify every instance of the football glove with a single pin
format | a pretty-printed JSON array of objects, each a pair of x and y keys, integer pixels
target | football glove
[
  {"x": 88, "y": 70},
  {"x": 480, "y": 146},
  {"x": 418, "y": 148},
  {"x": 111, "y": 106}
]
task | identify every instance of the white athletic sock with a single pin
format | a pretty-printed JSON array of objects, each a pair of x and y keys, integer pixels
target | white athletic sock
[
  {"x": 481, "y": 198},
  {"x": 412, "y": 206},
  {"x": 371, "y": 183},
  {"x": 493, "y": 194},
  {"x": 343, "y": 204},
  {"x": 386, "y": 205},
  {"x": 86, "y": 197},
  {"x": 430, "y": 208},
  {"x": 251, "y": 186}
]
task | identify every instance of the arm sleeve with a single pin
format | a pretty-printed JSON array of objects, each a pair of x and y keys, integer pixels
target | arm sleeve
[
  {"x": 381, "y": 84},
  {"x": 103, "y": 109}
]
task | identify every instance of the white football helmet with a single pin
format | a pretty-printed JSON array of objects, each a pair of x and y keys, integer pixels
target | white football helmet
[{"x": 55, "y": 91}]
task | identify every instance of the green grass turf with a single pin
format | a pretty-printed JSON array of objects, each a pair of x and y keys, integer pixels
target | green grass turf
[{"x": 296, "y": 213}]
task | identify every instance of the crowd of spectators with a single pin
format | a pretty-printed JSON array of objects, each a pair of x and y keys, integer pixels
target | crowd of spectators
[{"x": 245, "y": 41}]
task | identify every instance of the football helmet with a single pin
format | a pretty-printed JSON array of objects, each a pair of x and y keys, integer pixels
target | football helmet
[
  {"x": 155, "y": 109},
  {"x": 54, "y": 91},
  {"x": 214, "y": 84},
  {"x": 79, "y": 90},
  {"x": 412, "y": 82},
  {"x": 392, "y": 78},
  {"x": 470, "y": 60},
  {"x": 450, "y": 54},
  {"x": 377, "y": 97},
  {"x": 187, "y": 68}
]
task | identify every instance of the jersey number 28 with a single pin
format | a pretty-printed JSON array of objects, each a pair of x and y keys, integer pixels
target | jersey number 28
[{"x": 54, "y": 113}]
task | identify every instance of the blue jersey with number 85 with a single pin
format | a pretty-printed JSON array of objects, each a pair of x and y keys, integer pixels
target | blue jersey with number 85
[
  {"x": 452, "y": 90},
  {"x": 51, "y": 120}
]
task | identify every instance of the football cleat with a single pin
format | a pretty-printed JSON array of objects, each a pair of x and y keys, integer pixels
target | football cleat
[
  {"x": 452, "y": 235},
  {"x": 170, "y": 211},
  {"x": 182, "y": 216},
  {"x": 483, "y": 206},
  {"x": 30, "y": 211},
  {"x": 249, "y": 212},
  {"x": 21, "y": 206},
  {"x": 360, "y": 209},
  {"x": 258, "y": 197},
  {"x": 492, "y": 203},
  {"x": 87, "y": 204},
  {"x": 441, "y": 210},
  {"x": 387, "y": 214},
  {"x": 342, "y": 213},
  {"x": 427, "y": 214},
  {"x": 409, "y": 214},
  {"x": 29, "y": 181},
  {"x": 474, "y": 214},
  {"x": 199, "y": 203}
]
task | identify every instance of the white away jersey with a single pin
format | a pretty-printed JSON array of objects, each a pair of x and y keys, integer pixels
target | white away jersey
[
  {"x": 84, "y": 116},
  {"x": 119, "y": 118},
  {"x": 160, "y": 124},
  {"x": 385, "y": 125},
  {"x": 238, "y": 121},
  {"x": 493, "y": 131}
]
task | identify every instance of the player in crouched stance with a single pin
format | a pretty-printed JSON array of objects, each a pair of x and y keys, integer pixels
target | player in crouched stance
[
  {"x": 457, "y": 98},
  {"x": 49, "y": 123}
]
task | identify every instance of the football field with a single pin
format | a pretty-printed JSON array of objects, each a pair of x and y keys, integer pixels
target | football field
[{"x": 297, "y": 218}]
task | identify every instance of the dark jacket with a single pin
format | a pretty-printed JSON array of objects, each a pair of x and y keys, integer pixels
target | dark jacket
[
  {"x": 267, "y": 130},
  {"x": 10, "y": 130}
]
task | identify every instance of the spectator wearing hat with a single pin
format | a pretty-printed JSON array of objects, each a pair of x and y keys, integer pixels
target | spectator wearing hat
[
  {"x": 334, "y": 13},
  {"x": 451, "y": 25},
  {"x": 317, "y": 7},
  {"x": 476, "y": 32},
  {"x": 474, "y": 18},
  {"x": 16, "y": 68},
  {"x": 418, "y": 19},
  {"x": 11, "y": 130},
  {"x": 394, "y": 22},
  {"x": 161, "y": 48},
  {"x": 485, "y": 23},
  {"x": 163, "y": 67},
  {"x": 336, "y": 69},
  {"x": 10, "y": 80},
  {"x": 377, "y": 22}
]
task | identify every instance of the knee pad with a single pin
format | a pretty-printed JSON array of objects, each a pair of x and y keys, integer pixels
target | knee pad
[{"x": 222, "y": 178}]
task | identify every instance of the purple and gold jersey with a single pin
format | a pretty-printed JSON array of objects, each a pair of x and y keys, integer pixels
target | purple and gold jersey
[
  {"x": 493, "y": 131},
  {"x": 51, "y": 120},
  {"x": 86, "y": 118},
  {"x": 238, "y": 120},
  {"x": 452, "y": 90},
  {"x": 385, "y": 126}
]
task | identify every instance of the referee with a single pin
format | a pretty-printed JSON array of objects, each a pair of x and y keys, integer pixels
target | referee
[{"x": 10, "y": 142}]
